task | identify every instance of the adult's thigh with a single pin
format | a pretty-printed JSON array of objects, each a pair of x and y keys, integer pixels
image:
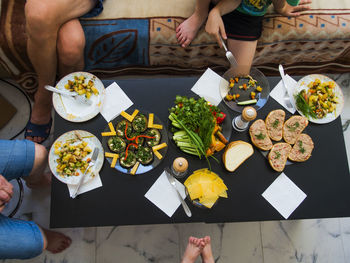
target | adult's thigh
[
  {"x": 56, "y": 12},
  {"x": 16, "y": 158}
]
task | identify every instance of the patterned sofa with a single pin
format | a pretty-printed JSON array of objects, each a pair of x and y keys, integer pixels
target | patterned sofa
[{"x": 133, "y": 37}]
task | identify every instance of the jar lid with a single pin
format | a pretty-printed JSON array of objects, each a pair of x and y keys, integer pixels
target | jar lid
[
  {"x": 180, "y": 164},
  {"x": 249, "y": 113}
]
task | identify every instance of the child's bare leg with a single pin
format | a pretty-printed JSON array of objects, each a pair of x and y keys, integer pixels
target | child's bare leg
[
  {"x": 193, "y": 250},
  {"x": 207, "y": 254},
  {"x": 188, "y": 29},
  {"x": 244, "y": 52}
]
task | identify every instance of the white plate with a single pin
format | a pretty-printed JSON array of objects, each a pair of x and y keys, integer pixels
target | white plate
[
  {"x": 302, "y": 84},
  {"x": 92, "y": 143},
  {"x": 72, "y": 110}
]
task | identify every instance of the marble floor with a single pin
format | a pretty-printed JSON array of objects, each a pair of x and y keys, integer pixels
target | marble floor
[{"x": 316, "y": 240}]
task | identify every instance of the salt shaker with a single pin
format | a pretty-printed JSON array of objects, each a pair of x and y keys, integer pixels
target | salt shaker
[
  {"x": 179, "y": 167},
  {"x": 241, "y": 122}
]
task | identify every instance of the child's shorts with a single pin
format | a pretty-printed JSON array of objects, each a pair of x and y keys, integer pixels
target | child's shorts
[
  {"x": 241, "y": 26},
  {"x": 96, "y": 10}
]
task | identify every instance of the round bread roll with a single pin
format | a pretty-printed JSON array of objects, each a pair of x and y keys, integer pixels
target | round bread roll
[
  {"x": 302, "y": 148},
  {"x": 274, "y": 124},
  {"x": 278, "y": 156}
]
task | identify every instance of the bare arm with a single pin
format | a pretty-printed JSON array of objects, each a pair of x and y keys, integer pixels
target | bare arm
[
  {"x": 283, "y": 8},
  {"x": 215, "y": 25}
]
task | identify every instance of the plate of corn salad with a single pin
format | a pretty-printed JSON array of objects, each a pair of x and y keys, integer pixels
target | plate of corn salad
[{"x": 318, "y": 98}]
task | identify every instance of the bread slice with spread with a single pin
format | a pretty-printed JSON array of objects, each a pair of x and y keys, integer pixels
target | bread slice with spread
[
  {"x": 302, "y": 148},
  {"x": 278, "y": 156},
  {"x": 274, "y": 124},
  {"x": 259, "y": 136},
  {"x": 293, "y": 127}
]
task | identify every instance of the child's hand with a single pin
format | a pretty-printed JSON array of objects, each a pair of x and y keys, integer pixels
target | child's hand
[
  {"x": 215, "y": 26},
  {"x": 288, "y": 10}
]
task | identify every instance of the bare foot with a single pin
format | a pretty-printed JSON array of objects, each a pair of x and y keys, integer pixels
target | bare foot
[
  {"x": 56, "y": 241},
  {"x": 42, "y": 181},
  {"x": 207, "y": 254},
  {"x": 188, "y": 29},
  {"x": 193, "y": 250}
]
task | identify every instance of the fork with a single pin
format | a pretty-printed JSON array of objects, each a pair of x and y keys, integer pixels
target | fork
[
  {"x": 75, "y": 95},
  {"x": 286, "y": 97},
  {"x": 229, "y": 54},
  {"x": 91, "y": 163}
]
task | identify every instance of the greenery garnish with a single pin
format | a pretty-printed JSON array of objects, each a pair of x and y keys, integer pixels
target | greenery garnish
[
  {"x": 303, "y": 106},
  {"x": 275, "y": 123},
  {"x": 293, "y": 127},
  {"x": 278, "y": 155},
  {"x": 301, "y": 148},
  {"x": 260, "y": 136}
]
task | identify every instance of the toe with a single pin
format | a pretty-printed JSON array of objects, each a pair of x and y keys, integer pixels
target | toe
[{"x": 186, "y": 43}]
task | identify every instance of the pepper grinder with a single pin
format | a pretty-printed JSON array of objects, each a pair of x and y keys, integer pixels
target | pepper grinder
[
  {"x": 179, "y": 167},
  {"x": 241, "y": 122}
]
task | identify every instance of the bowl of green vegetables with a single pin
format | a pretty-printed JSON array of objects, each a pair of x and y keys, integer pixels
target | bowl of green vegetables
[{"x": 198, "y": 127}]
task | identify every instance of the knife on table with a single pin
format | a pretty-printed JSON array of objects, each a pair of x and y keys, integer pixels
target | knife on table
[{"x": 172, "y": 181}]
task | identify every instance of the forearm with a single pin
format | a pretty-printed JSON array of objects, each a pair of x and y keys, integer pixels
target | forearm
[{"x": 226, "y": 6}]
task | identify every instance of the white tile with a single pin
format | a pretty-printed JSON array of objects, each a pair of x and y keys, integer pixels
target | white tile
[
  {"x": 345, "y": 231},
  {"x": 82, "y": 249},
  {"x": 314, "y": 240},
  {"x": 231, "y": 242},
  {"x": 138, "y": 244}
]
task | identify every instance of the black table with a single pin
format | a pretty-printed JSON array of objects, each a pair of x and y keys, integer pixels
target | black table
[{"x": 324, "y": 177}]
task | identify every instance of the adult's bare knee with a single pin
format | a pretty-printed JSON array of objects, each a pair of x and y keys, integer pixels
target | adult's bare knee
[
  {"x": 40, "y": 159},
  {"x": 41, "y": 20},
  {"x": 70, "y": 48}
]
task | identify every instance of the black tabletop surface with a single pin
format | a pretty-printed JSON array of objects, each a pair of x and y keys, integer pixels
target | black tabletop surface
[{"x": 324, "y": 178}]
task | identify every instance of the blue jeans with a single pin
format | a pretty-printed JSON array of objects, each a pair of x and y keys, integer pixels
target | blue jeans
[{"x": 18, "y": 239}]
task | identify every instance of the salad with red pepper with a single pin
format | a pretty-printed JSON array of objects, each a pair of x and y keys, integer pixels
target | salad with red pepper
[{"x": 197, "y": 126}]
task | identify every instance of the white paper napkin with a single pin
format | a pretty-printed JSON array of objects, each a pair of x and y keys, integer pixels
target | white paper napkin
[
  {"x": 115, "y": 101},
  {"x": 85, "y": 187},
  {"x": 284, "y": 195},
  {"x": 208, "y": 86},
  {"x": 278, "y": 92},
  {"x": 163, "y": 195}
]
